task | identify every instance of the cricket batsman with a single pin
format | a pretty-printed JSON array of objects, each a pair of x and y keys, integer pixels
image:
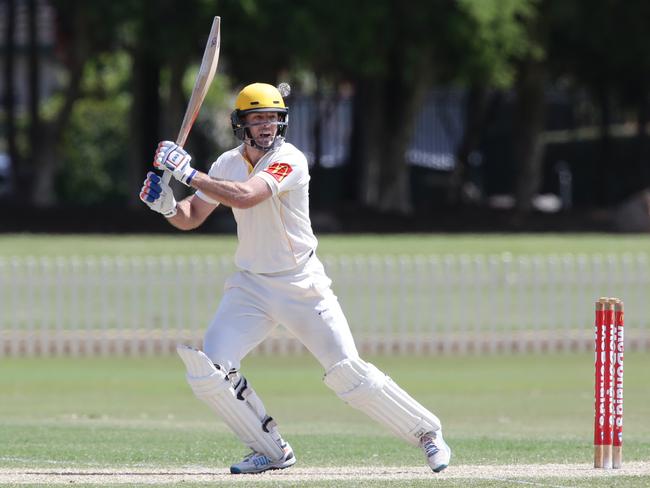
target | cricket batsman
[{"x": 280, "y": 280}]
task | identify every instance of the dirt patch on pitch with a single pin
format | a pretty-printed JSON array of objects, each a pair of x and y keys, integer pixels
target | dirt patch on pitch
[{"x": 143, "y": 476}]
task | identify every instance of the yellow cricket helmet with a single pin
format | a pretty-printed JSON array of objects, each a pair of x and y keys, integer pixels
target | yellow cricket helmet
[{"x": 258, "y": 97}]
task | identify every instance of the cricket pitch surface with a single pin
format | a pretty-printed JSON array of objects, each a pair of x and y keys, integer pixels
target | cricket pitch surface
[{"x": 143, "y": 476}]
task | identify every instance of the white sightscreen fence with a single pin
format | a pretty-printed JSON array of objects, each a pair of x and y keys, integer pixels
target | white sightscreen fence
[{"x": 394, "y": 304}]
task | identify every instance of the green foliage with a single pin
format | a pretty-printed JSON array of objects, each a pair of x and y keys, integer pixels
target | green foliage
[
  {"x": 218, "y": 96},
  {"x": 463, "y": 41},
  {"x": 602, "y": 43},
  {"x": 593, "y": 43},
  {"x": 493, "y": 35},
  {"x": 94, "y": 145}
]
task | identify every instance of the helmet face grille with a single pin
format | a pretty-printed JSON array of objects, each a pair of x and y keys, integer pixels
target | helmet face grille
[{"x": 240, "y": 129}]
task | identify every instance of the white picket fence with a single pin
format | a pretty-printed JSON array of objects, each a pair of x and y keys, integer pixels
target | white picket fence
[{"x": 395, "y": 304}]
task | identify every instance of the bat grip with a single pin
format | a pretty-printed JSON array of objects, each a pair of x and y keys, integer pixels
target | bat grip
[
  {"x": 166, "y": 177},
  {"x": 180, "y": 140}
]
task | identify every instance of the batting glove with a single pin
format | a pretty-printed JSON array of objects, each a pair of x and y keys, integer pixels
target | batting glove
[
  {"x": 174, "y": 158},
  {"x": 158, "y": 195}
]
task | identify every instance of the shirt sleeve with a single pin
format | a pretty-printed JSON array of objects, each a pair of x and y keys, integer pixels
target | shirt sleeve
[
  {"x": 285, "y": 175},
  {"x": 212, "y": 173}
]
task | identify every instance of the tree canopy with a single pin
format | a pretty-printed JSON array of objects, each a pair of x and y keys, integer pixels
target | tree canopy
[{"x": 124, "y": 65}]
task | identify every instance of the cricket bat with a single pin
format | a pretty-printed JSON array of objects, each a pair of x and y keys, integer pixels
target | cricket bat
[{"x": 201, "y": 86}]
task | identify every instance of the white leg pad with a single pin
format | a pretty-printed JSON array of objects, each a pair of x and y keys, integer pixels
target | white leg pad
[
  {"x": 244, "y": 391},
  {"x": 248, "y": 421},
  {"x": 362, "y": 386}
]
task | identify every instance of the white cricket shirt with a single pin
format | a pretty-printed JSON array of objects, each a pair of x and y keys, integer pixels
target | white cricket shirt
[{"x": 274, "y": 235}]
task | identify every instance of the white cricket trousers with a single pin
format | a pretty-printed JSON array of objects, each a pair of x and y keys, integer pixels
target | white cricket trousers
[{"x": 300, "y": 299}]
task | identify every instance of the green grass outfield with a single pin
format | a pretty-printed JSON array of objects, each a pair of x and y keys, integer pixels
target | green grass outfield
[
  {"x": 188, "y": 243},
  {"x": 96, "y": 422},
  {"x": 130, "y": 416}
]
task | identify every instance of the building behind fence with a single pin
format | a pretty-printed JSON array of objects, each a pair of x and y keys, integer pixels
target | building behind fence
[{"x": 395, "y": 304}]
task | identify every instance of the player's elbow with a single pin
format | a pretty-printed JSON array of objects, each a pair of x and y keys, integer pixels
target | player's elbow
[
  {"x": 185, "y": 225},
  {"x": 244, "y": 202}
]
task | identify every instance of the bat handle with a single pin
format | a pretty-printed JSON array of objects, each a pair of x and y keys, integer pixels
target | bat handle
[
  {"x": 166, "y": 177},
  {"x": 180, "y": 140}
]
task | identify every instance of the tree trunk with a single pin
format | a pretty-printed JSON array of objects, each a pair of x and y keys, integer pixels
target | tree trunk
[
  {"x": 643, "y": 116},
  {"x": 46, "y": 152},
  {"x": 529, "y": 124},
  {"x": 354, "y": 168},
  {"x": 9, "y": 94},
  {"x": 403, "y": 101},
  {"x": 316, "y": 171},
  {"x": 145, "y": 118},
  {"x": 392, "y": 104},
  {"x": 369, "y": 137},
  {"x": 34, "y": 93},
  {"x": 389, "y": 109},
  {"x": 603, "y": 172}
]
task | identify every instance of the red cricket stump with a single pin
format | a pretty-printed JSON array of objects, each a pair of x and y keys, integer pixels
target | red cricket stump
[
  {"x": 608, "y": 391},
  {"x": 617, "y": 450},
  {"x": 599, "y": 394},
  {"x": 608, "y": 382}
]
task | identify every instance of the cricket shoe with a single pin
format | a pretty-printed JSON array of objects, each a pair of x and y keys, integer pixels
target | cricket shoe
[
  {"x": 436, "y": 450},
  {"x": 256, "y": 462}
]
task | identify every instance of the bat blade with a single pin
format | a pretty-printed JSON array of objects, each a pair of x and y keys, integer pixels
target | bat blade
[{"x": 201, "y": 85}]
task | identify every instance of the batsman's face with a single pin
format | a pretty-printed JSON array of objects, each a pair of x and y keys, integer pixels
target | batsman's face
[{"x": 263, "y": 127}]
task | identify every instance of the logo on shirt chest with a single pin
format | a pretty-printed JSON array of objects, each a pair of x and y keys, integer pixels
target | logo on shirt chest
[{"x": 279, "y": 171}]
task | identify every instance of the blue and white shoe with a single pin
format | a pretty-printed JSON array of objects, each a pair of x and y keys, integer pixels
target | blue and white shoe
[
  {"x": 256, "y": 462},
  {"x": 436, "y": 450}
]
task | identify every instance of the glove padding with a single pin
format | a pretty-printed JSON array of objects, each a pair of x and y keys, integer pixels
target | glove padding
[
  {"x": 172, "y": 157},
  {"x": 158, "y": 195}
]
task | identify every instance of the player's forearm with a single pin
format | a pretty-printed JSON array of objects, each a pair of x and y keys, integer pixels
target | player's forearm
[
  {"x": 184, "y": 218},
  {"x": 234, "y": 194}
]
